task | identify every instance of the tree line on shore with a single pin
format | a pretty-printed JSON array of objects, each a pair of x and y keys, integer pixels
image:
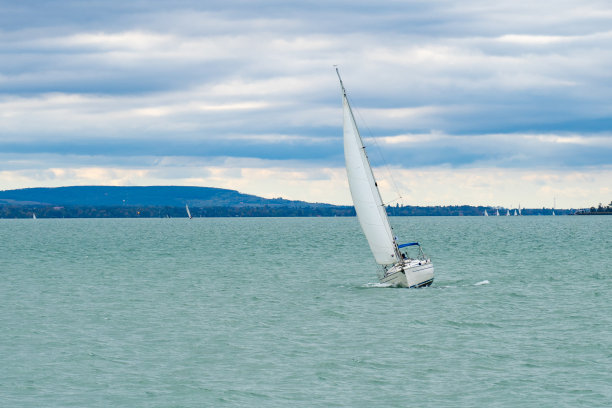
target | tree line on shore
[
  {"x": 169, "y": 212},
  {"x": 24, "y": 211},
  {"x": 599, "y": 210}
]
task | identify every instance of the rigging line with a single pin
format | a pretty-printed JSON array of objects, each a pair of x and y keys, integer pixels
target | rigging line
[{"x": 378, "y": 148}]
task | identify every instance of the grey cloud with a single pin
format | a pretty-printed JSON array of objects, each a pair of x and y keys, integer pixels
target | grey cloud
[{"x": 181, "y": 78}]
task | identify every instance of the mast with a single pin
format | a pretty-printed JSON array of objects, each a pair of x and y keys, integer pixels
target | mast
[{"x": 370, "y": 209}]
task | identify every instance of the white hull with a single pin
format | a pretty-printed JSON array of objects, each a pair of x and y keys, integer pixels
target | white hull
[{"x": 412, "y": 273}]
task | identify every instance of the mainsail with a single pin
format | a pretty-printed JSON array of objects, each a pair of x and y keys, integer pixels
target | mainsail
[{"x": 370, "y": 209}]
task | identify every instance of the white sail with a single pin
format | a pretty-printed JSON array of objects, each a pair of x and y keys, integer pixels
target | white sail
[
  {"x": 188, "y": 212},
  {"x": 370, "y": 209}
]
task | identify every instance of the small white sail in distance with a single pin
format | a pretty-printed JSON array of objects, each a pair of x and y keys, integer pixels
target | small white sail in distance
[
  {"x": 370, "y": 209},
  {"x": 188, "y": 212}
]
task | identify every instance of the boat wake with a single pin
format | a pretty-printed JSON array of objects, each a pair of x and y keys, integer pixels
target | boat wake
[
  {"x": 388, "y": 285},
  {"x": 378, "y": 285},
  {"x": 463, "y": 285}
]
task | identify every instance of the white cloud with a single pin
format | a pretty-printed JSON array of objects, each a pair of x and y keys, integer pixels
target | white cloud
[
  {"x": 305, "y": 181},
  {"x": 600, "y": 140},
  {"x": 502, "y": 187}
]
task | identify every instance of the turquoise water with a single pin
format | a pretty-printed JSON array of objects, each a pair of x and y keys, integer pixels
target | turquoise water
[{"x": 286, "y": 312}]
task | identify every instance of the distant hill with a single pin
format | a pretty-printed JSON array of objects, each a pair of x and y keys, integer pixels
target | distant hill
[
  {"x": 169, "y": 201},
  {"x": 171, "y": 196}
]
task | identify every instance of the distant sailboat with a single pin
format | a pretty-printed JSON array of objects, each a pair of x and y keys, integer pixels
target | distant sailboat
[
  {"x": 398, "y": 269},
  {"x": 507, "y": 213},
  {"x": 515, "y": 214},
  {"x": 34, "y": 215},
  {"x": 497, "y": 212},
  {"x": 188, "y": 212},
  {"x": 486, "y": 214}
]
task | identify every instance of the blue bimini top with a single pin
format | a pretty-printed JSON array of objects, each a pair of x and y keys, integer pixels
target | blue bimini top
[{"x": 408, "y": 244}]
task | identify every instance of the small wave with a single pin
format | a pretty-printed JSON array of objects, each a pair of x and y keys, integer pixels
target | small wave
[
  {"x": 484, "y": 282},
  {"x": 377, "y": 285}
]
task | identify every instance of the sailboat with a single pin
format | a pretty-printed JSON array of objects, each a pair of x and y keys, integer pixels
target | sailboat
[
  {"x": 188, "y": 212},
  {"x": 497, "y": 212},
  {"x": 486, "y": 214},
  {"x": 398, "y": 269},
  {"x": 507, "y": 212},
  {"x": 515, "y": 214}
]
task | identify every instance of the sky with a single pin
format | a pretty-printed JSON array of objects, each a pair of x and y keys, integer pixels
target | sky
[{"x": 501, "y": 103}]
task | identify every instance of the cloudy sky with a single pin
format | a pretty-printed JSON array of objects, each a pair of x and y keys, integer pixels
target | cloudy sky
[{"x": 472, "y": 102}]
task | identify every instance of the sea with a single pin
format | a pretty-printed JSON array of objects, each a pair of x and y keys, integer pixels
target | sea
[{"x": 288, "y": 312}]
